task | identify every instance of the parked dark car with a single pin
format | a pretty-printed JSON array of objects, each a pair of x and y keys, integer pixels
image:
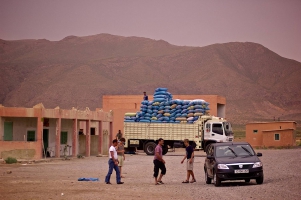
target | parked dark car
[{"x": 232, "y": 161}]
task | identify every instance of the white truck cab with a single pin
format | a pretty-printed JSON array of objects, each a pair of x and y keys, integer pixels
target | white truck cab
[{"x": 217, "y": 129}]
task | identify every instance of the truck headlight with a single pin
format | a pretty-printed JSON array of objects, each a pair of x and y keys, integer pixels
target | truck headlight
[
  {"x": 257, "y": 164},
  {"x": 222, "y": 166}
]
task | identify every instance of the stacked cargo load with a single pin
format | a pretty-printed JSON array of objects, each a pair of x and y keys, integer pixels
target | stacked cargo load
[{"x": 165, "y": 109}]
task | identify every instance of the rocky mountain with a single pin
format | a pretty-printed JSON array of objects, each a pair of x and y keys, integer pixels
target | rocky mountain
[{"x": 76, "y": 71}]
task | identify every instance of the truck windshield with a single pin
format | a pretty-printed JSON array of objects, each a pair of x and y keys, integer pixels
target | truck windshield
[{"x": 228, "y": 129}]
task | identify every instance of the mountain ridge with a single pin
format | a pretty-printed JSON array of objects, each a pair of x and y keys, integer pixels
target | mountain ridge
[{"x": 77, "y": 71}]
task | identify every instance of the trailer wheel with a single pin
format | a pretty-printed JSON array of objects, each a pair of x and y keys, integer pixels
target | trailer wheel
[
  {"x": 165, "y": 150},
  {"x": 149, "y": 148}
]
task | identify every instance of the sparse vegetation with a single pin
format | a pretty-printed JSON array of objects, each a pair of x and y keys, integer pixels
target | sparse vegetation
[
  {"x": 80, "y": 156},
  {"x": 239, "y": 134},
  {"x": 10, "y": 160}
]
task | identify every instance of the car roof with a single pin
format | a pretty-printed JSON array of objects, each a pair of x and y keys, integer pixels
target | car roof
[{"x": 229, "y": 143}]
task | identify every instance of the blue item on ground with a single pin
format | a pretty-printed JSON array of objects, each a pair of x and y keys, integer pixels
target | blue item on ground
[{"x": 88, "y": 179}]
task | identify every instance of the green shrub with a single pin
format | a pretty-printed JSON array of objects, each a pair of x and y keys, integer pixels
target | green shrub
[{"x": 10, "y": 160}]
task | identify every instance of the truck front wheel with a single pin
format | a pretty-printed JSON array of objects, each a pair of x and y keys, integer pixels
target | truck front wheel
[{"x": 149, "y": 148}]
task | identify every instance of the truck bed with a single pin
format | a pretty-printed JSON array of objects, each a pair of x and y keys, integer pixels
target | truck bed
[{"x": 167, "y": 131}]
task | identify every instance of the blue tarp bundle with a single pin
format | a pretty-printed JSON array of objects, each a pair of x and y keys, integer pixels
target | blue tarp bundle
[{"x": 165, "y": 109}]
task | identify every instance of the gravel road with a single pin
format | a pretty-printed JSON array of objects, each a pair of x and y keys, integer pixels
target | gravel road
[{"x": 57, "y": 179}]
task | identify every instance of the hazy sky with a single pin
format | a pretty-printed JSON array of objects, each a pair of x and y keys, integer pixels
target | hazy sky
[{"x": 275, "y": 24}]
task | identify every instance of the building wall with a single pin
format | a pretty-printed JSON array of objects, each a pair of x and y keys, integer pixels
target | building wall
[
  {"x": 25, "y": 119},
  {"x": 20, "y": 127},
  {"x": 287, "y": 138},
  {"x": 82, "y": 145},
  {"x": 256, "y": 139},
  {"x": 95, "y": 138},
  {"x": 121, "y": 104},
  {"x": 19, "y": 149},
  {"x": 1, "y": 128}
]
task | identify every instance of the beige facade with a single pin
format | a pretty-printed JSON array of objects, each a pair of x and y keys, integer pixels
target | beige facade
[{"x": 33, "y": 133}]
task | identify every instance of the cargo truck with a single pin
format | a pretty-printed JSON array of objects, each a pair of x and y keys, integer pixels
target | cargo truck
[{"x": 206, "y": 130}]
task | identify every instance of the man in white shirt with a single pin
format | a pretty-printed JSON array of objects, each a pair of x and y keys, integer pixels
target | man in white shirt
[{"x": 113, "y": 164}]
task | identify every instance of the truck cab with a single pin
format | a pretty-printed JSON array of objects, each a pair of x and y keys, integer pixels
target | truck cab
[{"x": 217, "y": 130}]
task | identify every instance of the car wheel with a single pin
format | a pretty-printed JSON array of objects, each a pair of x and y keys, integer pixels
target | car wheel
[
  {"x": 207, "y": 179},
  {"x": 259, "y": 180},
  {"x": 247, "y": 180},
  {"x": 216, "y": 180}
]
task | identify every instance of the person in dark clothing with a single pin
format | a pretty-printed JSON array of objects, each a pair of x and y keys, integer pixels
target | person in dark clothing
[
  {"x": 145, "y": 97},
  {"x": 190, "y": 159},
  {"x": 159, "y": 163},
  {"x": 119, "y": 135}
]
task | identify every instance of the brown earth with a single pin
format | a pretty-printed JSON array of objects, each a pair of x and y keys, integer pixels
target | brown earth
[
  {"x": 58, "y": 179},
  {"x": 77, "y": 71}
]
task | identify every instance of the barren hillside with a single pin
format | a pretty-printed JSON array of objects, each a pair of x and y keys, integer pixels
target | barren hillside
[{"x": 77, "y": 71}]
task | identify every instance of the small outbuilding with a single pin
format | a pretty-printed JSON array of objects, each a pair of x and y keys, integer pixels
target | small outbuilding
[{"x": 271, "y": 134}]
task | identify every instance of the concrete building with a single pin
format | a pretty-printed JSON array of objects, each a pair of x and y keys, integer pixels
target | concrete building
[
  {"x": 121, "y": 104},
  {"x": 271, "y": 134},
  {"x": 32, "y": 133}
]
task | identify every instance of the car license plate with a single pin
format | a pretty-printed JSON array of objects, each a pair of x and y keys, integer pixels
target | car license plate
[{"x": 241, "y": 171}]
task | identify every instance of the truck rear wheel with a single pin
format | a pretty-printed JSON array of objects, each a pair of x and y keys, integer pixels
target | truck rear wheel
[
  {"x": 165, "y": 150},
  {"x": 149, "y": 148}
]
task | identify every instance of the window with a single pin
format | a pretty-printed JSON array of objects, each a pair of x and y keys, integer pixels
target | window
[
  {"x": 92, "y": 131},
  {"x": 64, "y": 137},
  {"x": 208, "y": 126},
  {"x": 8, "y": 131},
  {"x": 255, "y": 131},
  {"x": 218, "y": 129},
  {"x": 277, "y": 136},
  {"x": 46, "y": 122},
  {"x": 31, "y": 136}
]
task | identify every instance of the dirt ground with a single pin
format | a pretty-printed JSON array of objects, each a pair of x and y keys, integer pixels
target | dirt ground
[{"x": 57, "y": 179}]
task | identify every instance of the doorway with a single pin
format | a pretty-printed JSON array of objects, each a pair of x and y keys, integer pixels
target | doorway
[{"x": 46, "y": 142}]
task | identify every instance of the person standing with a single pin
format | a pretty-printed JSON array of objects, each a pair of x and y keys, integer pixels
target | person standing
[
  {"x": 145, "y": 97},
  {"x": 113, "y": 164},
  {"x": 159, "y": 163},
  {"x": 119, "y": 135},
  {"x": 121, "y": 156},
  {"x": 190, "y": 159}
]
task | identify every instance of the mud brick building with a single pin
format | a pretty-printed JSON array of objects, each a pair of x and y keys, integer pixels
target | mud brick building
[
  {"x": 34, "y": 133},
  {"x": 271, "y": 134}
]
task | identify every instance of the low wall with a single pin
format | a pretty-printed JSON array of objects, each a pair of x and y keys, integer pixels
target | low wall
[{"x": 19, "y": 150}]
